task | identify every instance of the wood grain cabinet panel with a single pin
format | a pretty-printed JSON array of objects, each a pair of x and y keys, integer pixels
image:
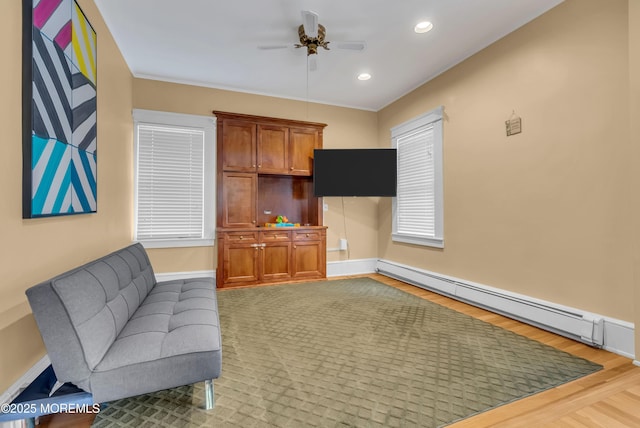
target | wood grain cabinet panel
[
  {"x": 244, "y": 237},
  {"x": 273, "y": 149},
  {"x": 308, "y": 235},
  {"x": 240, "y": 264},
  {"x": 276, "y": 261},
  {"x": 308, "y": 259},
  {"x": 302, "y": 143},
  {"x": 239, "y": 153},
  {"x": 239, "y": 199},
  {"x": 279, "y": 236}
]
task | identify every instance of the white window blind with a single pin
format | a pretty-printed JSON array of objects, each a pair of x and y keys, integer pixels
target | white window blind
[
  {"x": 170, "y": 182},
  {"x": 417, "y": 207},
  {"x": 174, "y": 179},
  {"x": 416, "y": 193}
]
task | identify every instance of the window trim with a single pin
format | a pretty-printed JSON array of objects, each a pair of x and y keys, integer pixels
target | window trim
[
  {"x": 433, "y": 117},
  {"x": 208, "y": 124}
]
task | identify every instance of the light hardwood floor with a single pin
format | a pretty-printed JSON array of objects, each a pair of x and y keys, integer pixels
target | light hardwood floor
[{"x": 607, "y": 399}]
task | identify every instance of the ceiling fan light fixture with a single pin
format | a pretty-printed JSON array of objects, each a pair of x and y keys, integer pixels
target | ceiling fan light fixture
[
  {"x": 364, "y": 76},
  {"x": 312, "y": 43},
  {"x": 423, "y": 27}
]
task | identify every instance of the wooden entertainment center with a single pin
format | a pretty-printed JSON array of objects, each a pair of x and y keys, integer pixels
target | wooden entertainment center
[{"x": 265, "y": 170}]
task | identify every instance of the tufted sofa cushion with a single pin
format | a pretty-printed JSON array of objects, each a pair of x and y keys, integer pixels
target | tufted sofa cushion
[
  {"x": 110, "y": 329},
  {"x": 176, "y": 321}
]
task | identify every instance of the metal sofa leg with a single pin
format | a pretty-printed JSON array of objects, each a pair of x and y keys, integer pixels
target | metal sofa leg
[{"x": 209, "y": 401}]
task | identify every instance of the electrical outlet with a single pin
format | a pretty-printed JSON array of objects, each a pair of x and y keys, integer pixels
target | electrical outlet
[
  {"x": 325, "y": 207},
  {"x": 343, "y": 244}
]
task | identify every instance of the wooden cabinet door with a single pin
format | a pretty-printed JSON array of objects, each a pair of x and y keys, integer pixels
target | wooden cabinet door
[
  {"x": 302, "y": 142},
  {"x": 238, "y": 146},
  {"x": 239, "y": 193},
  {"x": 308, "y": 259},
  {"x": 275, "y": 260},
  {"x": 240, "y": 263},
  {"x": 273, "y": 149}
]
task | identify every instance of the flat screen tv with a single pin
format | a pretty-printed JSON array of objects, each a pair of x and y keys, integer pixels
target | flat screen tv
[{"x": 354, "y": 172}]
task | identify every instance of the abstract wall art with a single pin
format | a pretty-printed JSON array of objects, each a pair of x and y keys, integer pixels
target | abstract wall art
[{"x": 59, "y": 110}]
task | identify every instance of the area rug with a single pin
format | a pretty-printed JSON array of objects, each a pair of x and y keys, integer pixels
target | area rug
[{"x": 352, "y": 353}]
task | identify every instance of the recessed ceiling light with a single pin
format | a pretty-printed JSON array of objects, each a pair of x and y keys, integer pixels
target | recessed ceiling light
[
  {"x": 423, "y": 27},
  {"x": 364, "y": 76}
]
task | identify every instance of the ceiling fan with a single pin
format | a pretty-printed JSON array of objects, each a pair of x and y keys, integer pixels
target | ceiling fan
[{"x": 312, "y": 36}]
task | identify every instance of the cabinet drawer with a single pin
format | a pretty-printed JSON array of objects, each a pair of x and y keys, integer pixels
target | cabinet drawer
[
  {"x": 282, "y": 236},
  {"x": 244, "y": 237},
  {"x": 307, "y": 235}
]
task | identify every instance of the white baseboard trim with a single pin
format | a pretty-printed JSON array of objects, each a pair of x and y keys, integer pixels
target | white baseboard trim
[
  {"x": 619, "y": 337},
  {"x": 24, "y": 380},
  {"x": 172, "y": 276},
  {"x": 351, "y": 267},
  {"x": 613, "y": 335},
  {"x": 636, "y": 363}
]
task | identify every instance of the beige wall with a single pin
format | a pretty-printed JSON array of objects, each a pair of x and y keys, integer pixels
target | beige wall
[
  {"x": 634, "y": 114},
  {"x": 544, "y": 213},
  {"x": 34, "y": 250},
  {"x": 345, "y": 128}
]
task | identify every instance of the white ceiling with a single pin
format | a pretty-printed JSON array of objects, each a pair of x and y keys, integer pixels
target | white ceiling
[{"x": 214, "y": 43}]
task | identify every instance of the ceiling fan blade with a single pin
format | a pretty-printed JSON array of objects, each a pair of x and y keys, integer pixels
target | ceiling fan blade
[
  {"x": 272, "y": 47},
  {"x": 313, "y": 63},
  {"x": 310, "y": 23},
  {"x": 353, "y": 46}
]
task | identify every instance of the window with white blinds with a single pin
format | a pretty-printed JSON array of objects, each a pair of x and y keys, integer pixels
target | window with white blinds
[
  {"x": 417, "y": 207},
  {"x": 174, "y": 179}
]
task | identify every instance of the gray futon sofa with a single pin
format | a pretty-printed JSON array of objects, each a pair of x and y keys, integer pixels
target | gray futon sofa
[{"x": 112, "y": 330}]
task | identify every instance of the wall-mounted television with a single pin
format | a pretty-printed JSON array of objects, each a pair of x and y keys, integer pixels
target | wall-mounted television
[{"x": 354, "y": 172}]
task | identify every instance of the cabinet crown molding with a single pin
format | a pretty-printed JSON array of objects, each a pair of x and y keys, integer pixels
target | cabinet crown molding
[{"x": 265, "y": 119}]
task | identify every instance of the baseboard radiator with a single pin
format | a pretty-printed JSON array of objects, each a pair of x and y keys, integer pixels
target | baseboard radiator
[{"x": 569, "y": 322}]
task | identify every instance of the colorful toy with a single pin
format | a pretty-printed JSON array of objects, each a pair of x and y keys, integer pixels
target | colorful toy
[{"x": 282, "y": 221}]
